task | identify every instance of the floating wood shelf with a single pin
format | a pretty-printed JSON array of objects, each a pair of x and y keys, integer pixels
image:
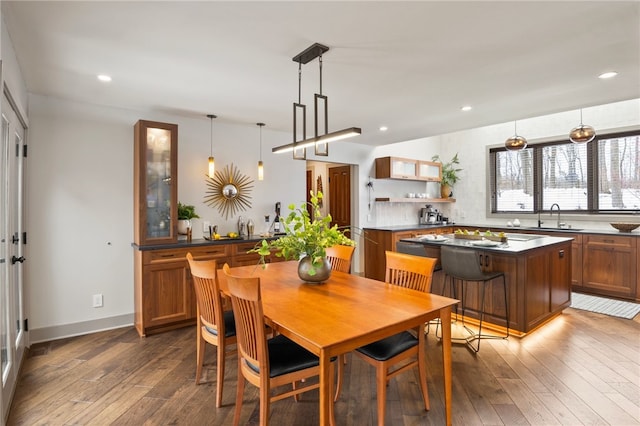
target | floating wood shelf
[{"x": 416, "y": 200}]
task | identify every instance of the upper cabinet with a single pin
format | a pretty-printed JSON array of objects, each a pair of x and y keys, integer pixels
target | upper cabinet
[
  {"x": 408, "y": 169},
  {"x": 155, "y": 182}
]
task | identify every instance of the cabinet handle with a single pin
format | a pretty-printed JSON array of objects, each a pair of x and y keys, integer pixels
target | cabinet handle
[
  {"x": 481, "y": 259},
  {"x": 167, "y": 255},
  {"x": 486, "y": 260},
  {"x": 608, "y": 241},
  {"x": 561, "y": 254}
]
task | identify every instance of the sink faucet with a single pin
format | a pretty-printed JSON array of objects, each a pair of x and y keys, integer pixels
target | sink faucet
[
  {"x": 539, "y": 221},
  {"x": 551, "y": 213}
]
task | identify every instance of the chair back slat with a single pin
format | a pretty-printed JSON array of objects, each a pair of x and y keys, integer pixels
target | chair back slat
[
  {"x": 208, "y": 298},
  {"x": 340, "y": 257},
  {"x": 406, "y": 270},
  {"x": 250, "y": 327}
]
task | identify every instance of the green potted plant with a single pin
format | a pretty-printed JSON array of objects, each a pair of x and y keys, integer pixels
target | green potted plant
[
  {"x": 449, "y": 174},
  {"x": 306, "y": 240},
  {"x": 185, "y": 214}
]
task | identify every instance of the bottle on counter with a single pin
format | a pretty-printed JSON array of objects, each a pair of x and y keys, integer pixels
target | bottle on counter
[
  {"x": 250, "y": 227},
  {"x": 276, "y": 225}
]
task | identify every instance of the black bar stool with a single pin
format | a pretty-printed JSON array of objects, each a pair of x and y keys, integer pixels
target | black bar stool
[{"x": 463, "y": 264}]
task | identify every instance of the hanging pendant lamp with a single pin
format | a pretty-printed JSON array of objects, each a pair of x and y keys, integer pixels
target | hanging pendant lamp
[
  {"x": 260, "y": 164},
  {"x": 582, "y": 133},
  {"x": 212, "y": 163},
  {"x": 515, "y": 142},
  {"x": 319, "y": 141}
]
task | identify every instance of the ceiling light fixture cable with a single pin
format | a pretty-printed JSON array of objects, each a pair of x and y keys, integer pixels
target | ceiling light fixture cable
[
  {"x": 299, "y": 145},
  {"x": 260, "y": 164},
  {"x": 212, "y": 163},
  {"x": 582, "y": 133},
  {"x": 515, "y": 142}
]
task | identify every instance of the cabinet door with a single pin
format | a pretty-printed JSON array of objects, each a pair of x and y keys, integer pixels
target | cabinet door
[
  {"x": 168, "y": 297},
  {"x": 155, "y": 182},
  {"x": 610, "y": 265},
  {"x": 396, "y": 168},
  {"x": 430, "y": 171}
]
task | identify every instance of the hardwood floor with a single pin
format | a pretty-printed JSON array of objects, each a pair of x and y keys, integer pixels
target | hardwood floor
[{"x": 582, "y": 368}]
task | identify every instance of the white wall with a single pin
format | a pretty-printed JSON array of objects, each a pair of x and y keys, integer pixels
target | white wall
[{"x": 80, "y": 203}]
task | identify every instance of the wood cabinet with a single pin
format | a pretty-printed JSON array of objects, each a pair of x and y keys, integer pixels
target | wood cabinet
[
  {"x": 164, "y": 298},
  {"x": 610, "y": 265},
  {"x": 376, "y": 242},
  {"x": 408, "y": 169},
  {"x": 155, "y": 183}
]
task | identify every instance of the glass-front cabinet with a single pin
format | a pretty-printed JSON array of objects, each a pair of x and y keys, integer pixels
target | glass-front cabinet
[{"x": 155, "y": 182}]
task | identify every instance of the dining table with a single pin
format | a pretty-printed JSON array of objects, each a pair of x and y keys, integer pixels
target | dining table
[{"x": 344, "y": 313}]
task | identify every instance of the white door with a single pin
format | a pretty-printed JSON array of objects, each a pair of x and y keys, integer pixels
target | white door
[{"x": 12, "y": 330}]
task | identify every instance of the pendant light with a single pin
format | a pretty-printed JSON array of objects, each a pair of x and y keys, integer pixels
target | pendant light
[
  {"x": 319, "y": 141},
  {"x": 212, "y": 163},
  {"x": 582, "y": 133},
  {"x": 515, "y": 142},
  {"x": 260, "y": 164}
]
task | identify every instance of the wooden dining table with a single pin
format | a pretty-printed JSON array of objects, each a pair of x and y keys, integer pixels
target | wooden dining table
[{"x": 345, "y": 313}]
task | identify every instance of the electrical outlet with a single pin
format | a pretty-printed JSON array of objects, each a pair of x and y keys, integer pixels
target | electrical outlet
[
  {"x": 97, "y": 301},
  {"x": 205, "y": 226}
]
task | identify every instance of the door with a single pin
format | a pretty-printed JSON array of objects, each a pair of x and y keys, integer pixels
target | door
[
  {"x": 340, "y": 195},
  {"x": 12, "y": 242}
]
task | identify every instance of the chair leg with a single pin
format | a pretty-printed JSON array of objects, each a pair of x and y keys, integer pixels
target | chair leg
[
  {"x": 239, "y": 395},
  {"x": 220, "y": 374},
  {"x": 381, "y": 385},
  {"x": 200, "y": 346},
  {"x": 265, "y": 402}
]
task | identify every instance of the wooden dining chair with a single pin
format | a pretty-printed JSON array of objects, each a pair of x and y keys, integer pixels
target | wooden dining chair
[
  {"x": 414, "y": 272},
  {"x": 266, "y": 364},
  {"x": 340, "y": 257},
  {"x": 214, "y": 325}
]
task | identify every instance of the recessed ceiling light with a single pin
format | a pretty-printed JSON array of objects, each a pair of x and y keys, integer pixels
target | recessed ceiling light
[
  {"x": 608, "y": 74},
  {"x": 383, "y": 128},
  {"x": 105, "y": 78},
  {"x": 466, "y": 108}
]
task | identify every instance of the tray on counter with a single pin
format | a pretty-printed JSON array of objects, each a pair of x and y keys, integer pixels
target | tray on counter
[{"x": 480, "y": 237}]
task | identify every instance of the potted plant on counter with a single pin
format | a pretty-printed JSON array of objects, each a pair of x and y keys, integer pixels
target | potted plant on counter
[
  {"x": 449, "y": 174},
  {"x": 185, "y": 214},
  {"x": 306, "y": 240}
]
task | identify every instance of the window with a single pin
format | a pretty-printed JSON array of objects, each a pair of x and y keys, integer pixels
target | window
[{"x": 602, "y": 176}]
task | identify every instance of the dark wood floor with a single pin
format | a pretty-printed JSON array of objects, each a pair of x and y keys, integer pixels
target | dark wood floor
[{"x": 582, "y": 368}]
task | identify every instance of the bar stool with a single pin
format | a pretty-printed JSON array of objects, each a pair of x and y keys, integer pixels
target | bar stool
[{"x": 463, "y": 264}]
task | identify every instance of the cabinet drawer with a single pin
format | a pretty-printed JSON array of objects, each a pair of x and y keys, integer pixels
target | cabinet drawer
[
  {"x": 612, "y": 241},
  {"x": 242, "y": 248},
  {"x": 172, "y": 255}
]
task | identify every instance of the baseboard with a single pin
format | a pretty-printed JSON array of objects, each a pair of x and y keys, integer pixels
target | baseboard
[{"x": 56, "y": 332}]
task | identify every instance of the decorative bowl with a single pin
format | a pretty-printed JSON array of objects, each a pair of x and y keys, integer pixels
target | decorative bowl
[{"x": 625, "y": 227}]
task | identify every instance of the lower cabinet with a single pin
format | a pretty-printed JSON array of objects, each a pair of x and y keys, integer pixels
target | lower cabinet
[
  {"x": 376, "y": 242},
  {"x": 610, "y": 265}
]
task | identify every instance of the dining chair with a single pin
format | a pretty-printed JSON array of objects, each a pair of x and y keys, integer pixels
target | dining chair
[
  {"x": 389, "y": 356},
  {"x": 214, "y": 325},
  {"x": 340, "y": 257},
  {"x": 266, "y": 363}
]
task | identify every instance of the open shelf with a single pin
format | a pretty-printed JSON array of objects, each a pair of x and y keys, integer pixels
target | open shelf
[{"x": 416, "y": 200}]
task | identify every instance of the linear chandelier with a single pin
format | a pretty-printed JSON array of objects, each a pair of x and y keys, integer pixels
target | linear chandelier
[{"x": 319, "y": 141}]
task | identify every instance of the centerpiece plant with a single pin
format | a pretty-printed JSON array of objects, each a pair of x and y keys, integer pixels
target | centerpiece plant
[{"x": 305, "y": 238}]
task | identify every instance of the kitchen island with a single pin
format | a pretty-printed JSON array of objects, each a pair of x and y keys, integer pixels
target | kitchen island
[{"x": 537, "y": 269}]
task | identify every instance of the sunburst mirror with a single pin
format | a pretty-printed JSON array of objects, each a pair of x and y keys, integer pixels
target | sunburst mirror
[{"x": 228, "y": 191}]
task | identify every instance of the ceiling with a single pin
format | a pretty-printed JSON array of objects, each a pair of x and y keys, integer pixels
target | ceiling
[{"x": 410, "y": 66}]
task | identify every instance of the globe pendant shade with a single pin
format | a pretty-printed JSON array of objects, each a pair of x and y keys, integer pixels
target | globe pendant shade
[
  {"x": 582, "y": 134},
  {"x": 515, "y": 143}
]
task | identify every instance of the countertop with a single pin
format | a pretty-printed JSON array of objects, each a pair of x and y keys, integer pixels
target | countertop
[
  {"x": 202, "y": 242},
  {"x": 399, "y": 228},
  {"x": 516, "y": 243}
]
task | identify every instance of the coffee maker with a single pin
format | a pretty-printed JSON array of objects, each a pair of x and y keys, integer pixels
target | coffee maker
[{"x": 429, "y": 215}]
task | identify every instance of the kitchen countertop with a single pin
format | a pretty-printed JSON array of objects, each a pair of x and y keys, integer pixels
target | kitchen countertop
[
  {"x": 399, "y": 228},
  {"x": 202, "y": 242},
  {"x": 516, "y": 243}
]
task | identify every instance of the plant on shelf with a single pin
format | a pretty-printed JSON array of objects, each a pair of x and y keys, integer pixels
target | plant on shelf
[
  {"x": 449, "y": 174},
  {"x": 186, "y": 212},
  {"x": 305, "y": 238}
]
